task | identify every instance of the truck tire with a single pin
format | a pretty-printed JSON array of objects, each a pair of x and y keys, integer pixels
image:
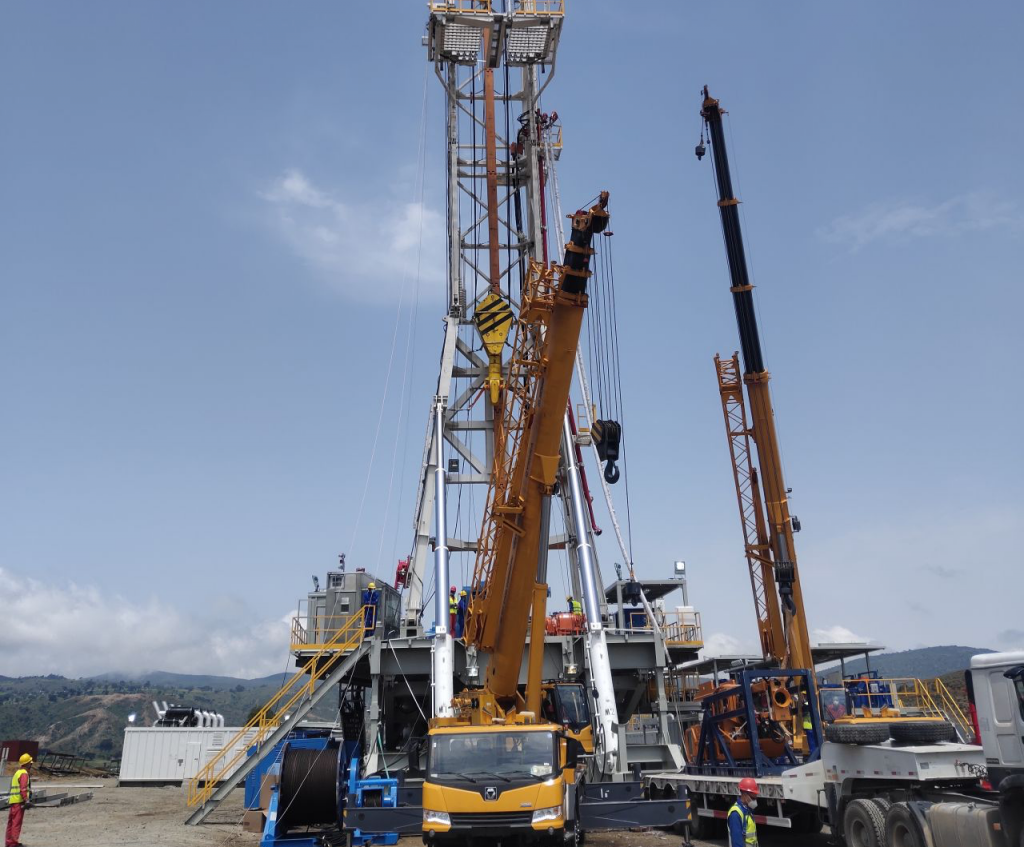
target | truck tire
[
  {"x": 857, "y": 733},
  {"x": 700, "y": 827},
  {"x": 902, "y": 828},
  {"x": 922, "y": 732},
  {"x": 883, "y": 804},
  {"x": 863, "y": 825}
]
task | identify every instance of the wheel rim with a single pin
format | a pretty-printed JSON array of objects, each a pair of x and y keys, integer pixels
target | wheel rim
[
  {"x": 858, "y": 834},
  {"x": 901, "y": 836}
]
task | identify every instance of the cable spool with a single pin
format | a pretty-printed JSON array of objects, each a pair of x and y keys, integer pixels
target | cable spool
[{"x": 309, "y": 780}]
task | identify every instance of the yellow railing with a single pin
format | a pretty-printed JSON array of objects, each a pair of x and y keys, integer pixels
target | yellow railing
[
  {"x": 541, "y": 7},
  {"x": 683, "y": 628},
  {"x": 680, "y": 628},
  {"x": 951, "y": 708},
  {"x": 323, "y": 628},
  {"x": 266, "y": 720},
  {"x": 902, "y": 696},
  {"x": 472, "y": 7}
]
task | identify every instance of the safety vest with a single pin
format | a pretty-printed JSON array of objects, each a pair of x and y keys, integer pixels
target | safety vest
[
  {"x": 453, "y": 605},
  {"x": 577, "y": 607},
  {"x": 16, "y": 797},
  {"x": 808, "y": 726},
  {"x": 750, "y": 828}
]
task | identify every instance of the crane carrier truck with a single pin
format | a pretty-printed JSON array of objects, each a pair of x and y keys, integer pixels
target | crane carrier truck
[{"x": 877, "y": 760}]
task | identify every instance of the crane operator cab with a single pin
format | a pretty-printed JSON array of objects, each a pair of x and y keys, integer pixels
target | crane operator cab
[{"x": 565, "y": 704}]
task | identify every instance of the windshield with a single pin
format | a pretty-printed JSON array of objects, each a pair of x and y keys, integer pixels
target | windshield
[
  {"x": 569, "y": 704},
  {"x": 833, "y": 703},
  {"x": 492, "y": 753}
]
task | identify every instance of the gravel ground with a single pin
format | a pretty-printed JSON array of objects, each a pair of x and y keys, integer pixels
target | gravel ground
[{"x": 145, "y": 817}]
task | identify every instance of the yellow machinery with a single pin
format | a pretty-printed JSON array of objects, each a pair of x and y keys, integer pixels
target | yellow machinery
[
  {"x": 782, "y": 711},
  {"x": 501, "y": 765}
]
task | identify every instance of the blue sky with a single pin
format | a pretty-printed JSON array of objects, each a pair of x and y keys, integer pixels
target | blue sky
[{"x": 210, "y": 216}]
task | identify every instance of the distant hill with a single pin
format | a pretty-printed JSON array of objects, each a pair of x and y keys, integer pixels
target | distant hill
[
  {"x": 923, "y": 663},
  {"x": 189, "y": 680},
  {"x": 87, "y": 716}
]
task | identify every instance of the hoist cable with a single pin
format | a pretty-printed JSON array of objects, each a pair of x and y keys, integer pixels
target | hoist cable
[{"x": 581, "y": 376}]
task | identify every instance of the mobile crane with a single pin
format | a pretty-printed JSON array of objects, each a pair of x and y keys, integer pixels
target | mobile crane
[
  {"x": 495, "y": 768},
  {"x": 498, "y": 766},
  {"x": 768, "y": 719},
  {"x": 889, "y": 771}
]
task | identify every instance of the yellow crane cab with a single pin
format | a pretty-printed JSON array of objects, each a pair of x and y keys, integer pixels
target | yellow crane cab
[
  {"x": 565, "y": 704},
  {"x": 500, "y": 781}
]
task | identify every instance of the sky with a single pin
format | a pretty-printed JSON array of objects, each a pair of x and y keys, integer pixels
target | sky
[{"x": 221, "y": 321}]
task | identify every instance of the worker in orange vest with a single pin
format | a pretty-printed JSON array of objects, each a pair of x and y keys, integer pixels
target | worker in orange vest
[{"x": 19, "y": 798}]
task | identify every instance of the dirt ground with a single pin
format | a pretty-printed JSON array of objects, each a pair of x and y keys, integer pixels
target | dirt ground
[{"x": 144, "y": 817}]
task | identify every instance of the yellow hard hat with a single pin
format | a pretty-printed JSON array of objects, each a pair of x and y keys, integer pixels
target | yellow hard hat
[
  {"x": 462, "y": 593},
  {"x": 25, "y": 759},
  {"x": 373, "y": 585}
]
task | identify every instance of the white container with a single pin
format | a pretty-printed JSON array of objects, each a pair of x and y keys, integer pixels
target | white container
[{"x": 170, "y": 755}]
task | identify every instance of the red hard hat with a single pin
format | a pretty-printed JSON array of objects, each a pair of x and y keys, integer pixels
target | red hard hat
[
  {"x": 749, "y": 786},
  {"x": 454, "y": 589}
]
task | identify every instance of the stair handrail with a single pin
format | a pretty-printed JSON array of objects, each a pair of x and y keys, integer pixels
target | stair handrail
[{"x": 202, "y": 785}]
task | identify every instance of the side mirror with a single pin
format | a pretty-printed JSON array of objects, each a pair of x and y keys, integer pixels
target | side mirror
[{"x": 573, "y": 751}]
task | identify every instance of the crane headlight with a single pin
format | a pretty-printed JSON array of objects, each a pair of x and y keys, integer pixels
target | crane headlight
[{"x": 551, "y": 813}]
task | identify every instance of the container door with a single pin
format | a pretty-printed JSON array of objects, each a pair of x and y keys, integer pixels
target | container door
[{"x": 193, "y": 756}]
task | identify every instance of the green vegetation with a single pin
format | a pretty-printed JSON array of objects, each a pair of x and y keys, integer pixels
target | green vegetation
[
  {"x": 923, "y": 663},
  {"x": 87, "y": 717}
]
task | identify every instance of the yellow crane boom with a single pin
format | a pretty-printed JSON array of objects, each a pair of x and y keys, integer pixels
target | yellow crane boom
[{"x": 506, "y": 585}]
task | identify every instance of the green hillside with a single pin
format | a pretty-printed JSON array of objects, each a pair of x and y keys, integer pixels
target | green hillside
[
  {"x": 923, "y": 663},
  {"x": 87, "y": 717}
]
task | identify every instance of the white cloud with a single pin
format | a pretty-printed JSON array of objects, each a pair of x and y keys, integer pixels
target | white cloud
[
  {"x": 902, "y": 219},
  {"x": 836, "y": 635},
  {"x": 365, "y": 250},
  {"x": 76, "y": 630},
  {"x": 722, "y": 644}
]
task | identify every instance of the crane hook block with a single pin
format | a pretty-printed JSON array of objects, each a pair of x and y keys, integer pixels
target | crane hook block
[
  {"x": 493, "y": 321},
  {"x": 607, "y": 437}
]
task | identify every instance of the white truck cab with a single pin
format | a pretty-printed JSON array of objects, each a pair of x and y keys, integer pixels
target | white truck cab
[{"x": 997, "y": 680}]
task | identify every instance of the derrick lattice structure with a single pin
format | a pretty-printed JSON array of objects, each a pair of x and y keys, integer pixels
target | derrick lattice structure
[{"x": 488, "y": 61}]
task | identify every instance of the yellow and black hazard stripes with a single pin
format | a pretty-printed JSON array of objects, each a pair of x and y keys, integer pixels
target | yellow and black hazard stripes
[
  {"x": 493, "y": 317},
  {"x": 493, "y": 322}
]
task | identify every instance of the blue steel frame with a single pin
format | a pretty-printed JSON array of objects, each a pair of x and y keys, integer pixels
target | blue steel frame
[{"x": 711, "y": 736}]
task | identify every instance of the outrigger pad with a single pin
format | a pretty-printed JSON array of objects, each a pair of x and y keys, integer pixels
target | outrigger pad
[
  {"x": 404, "y": 820},
  {"x": 618, "y": 791},
  {"x": 626, "y": 814}
]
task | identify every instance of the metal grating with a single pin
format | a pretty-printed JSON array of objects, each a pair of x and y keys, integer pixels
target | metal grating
[{"x": 468, "y": 819}]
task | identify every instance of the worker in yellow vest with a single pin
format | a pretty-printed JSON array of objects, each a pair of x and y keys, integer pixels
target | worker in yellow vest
[
  {"x": 19, "y": 798},
  {"x": 742, "y": 829},
  {"x": 453, "y": 610}
]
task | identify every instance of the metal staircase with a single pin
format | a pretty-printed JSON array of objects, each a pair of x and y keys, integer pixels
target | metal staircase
[
  {"x": 327, "y": 666},
  {"x": 951, "y": 709}
]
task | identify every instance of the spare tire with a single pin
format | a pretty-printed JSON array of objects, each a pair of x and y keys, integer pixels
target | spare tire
[
  {"x": 857, "y": 733},
  {"x": 922, "y": 732}
]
